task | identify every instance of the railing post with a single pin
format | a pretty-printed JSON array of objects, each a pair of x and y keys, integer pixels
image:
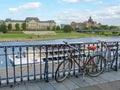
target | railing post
[
  {"x": 0, "y": 81},
  {"x": 7, "y": 79},
  {"x": 52, "y": 61},
  {"x": 13, "y": 54},
  {"x": 34, "y": 62},
  {"x": 28, "y": 78},
  {"x": 40, "y": 52},
  {"x": 46, "y": 65},
  {"x": 20, "y": 52},
  {"x": 116, "y": 66}
]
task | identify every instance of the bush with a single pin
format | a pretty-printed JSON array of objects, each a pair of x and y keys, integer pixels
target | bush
[
  {"x": 3, "y": 28},
  {"x": 67, "y": 28}
]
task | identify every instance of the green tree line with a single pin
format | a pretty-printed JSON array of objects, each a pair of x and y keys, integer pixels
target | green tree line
[
  {"x": 5, "y": 29},
  {"x": 101, "y": 27},
  {"x": 66, "y": 28}
]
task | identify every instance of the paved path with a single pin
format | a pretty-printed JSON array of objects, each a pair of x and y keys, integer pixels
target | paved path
[{"x": 106, "y": 81}]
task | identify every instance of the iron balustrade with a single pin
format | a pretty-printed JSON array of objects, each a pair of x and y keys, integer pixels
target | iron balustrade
[{"x": 29, "y": 63}]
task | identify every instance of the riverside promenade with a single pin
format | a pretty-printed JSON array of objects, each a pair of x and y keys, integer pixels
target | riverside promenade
[{"x": 106, "y": 81}]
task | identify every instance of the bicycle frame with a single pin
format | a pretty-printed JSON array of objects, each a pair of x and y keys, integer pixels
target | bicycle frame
[{"x": 84, "y": 61}]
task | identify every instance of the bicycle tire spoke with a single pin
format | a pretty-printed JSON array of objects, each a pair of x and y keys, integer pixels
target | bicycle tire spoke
[
  {"x": 63, "y": 70},
  {"x": 96, "y": 65}
]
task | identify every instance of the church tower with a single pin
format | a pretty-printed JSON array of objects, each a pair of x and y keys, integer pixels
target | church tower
[{"x": 90, "y": 20}]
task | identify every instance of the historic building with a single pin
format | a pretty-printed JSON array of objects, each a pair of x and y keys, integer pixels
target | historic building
[
  {"x": 81, "y": 25},
  {"x": 32, "y": 23},
  {"x": 77, "y": 25},
  {"x": 90, "y": 22}
]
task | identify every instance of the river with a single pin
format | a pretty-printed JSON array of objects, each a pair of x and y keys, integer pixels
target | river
[{"x": 59, "y": 41}]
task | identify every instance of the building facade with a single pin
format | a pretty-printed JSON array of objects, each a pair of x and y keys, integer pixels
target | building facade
[
  {"x": 81, "y": 25},
  {"x": 32, "y": 23}
]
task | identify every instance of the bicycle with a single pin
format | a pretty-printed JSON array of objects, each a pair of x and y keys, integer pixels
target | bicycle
[
  {"x": 110, "y": 53},
  {"x": 90, "y": 65}
]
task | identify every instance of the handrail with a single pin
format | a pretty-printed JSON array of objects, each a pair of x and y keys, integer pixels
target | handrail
[{"x": 28, "y": 69}]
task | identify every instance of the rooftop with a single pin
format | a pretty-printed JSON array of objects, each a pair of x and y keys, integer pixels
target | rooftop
[{"x": 30, "y": 18}]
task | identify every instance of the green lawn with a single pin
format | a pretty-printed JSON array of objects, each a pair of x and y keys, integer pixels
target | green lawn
[{"x": 59, "y": 35}]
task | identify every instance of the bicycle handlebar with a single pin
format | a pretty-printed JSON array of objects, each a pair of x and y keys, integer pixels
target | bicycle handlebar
[
  {"x": 71, "y": 46},
  {"x": 65, "y": 42},
  {"x": 100, "y": 41}
]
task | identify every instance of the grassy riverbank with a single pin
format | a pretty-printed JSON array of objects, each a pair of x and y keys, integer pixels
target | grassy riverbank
[{"x": 18, "y": 35}]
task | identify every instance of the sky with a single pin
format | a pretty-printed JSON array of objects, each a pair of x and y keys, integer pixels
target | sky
[{"x": 62, "y": 11}]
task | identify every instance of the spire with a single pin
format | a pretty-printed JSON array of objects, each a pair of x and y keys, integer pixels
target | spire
[{"x": 90, "y": 19}]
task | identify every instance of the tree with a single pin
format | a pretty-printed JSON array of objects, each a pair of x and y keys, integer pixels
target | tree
[
  {"x": 114, "y": 28},
  {"x": 24, "y": 26},
  {"x": 57, "y": 27},
  {"x": 94, "y": 27},
  {"x": 85, "y": 27},
  {"x": 105, "y": 27},
  {"x": 54, "y": 28},
  {"x": 67, "y": 28},
  {"x": 10, "y": 26},
  {"x": 99, "y": 28},
  {"x": 3, "y": 28},
  {"x": 48, "y": 28},
  {"x": 17, "y": 26}
]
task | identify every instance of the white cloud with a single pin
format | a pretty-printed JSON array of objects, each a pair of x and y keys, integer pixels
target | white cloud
[
  {"x": 71, "y": 1},
  {"x": 13, "y": 10},
  {"x": 99, "y": 2},
  {"x": 106, "y": 15},
  {"x": 75, "y": 1},
  {"x": 30, "y": 5},
  {"x": 66, "y": 17}
]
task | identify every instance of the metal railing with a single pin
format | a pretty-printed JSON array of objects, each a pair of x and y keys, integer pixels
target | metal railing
[{"x": 27, "y": 63}]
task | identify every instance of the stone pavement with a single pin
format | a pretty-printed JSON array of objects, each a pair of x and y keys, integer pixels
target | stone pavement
[
  {"x": 114, "y": 85},
  {"x": 106, "y": 81}
]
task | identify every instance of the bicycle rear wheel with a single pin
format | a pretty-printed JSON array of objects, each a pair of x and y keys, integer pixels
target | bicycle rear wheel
[
  {"x": 63, "y": 70},
  {"x": 96, "y": 65}
]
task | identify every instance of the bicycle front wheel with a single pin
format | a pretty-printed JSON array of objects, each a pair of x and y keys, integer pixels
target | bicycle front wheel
[
  {"x": 96, "y": 65},
  {"x": 63, "y": 70}
]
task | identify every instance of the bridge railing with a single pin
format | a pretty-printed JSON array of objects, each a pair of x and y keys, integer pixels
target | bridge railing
[{"x": 29, "y": 63}]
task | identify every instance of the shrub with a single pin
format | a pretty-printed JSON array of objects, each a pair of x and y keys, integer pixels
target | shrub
[{"x": 3, "y": 28}]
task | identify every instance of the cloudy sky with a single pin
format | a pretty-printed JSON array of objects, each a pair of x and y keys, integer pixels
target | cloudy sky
[{"x": 62, "y": 11}]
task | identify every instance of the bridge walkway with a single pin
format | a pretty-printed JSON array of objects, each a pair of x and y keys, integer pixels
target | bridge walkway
[{"x": 106, "y": 81}]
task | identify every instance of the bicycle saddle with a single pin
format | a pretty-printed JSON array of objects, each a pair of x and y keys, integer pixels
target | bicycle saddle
[{"x": 91, "y": 47}]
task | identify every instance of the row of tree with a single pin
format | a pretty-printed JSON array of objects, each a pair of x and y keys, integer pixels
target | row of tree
[
  {"x": 101, "y": 27},
  {"x": 17, "y": 26},
  {"x": 55, "y": 28},
  {"x": 66, "y": 28},
  {"x": 69, "y": 28},
  {"x": 4, "y": 28}
]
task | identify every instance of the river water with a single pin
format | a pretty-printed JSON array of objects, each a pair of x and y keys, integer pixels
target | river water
[
  {"x": 60, "y": 41},
  {"x": 57, "y": 41}
]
